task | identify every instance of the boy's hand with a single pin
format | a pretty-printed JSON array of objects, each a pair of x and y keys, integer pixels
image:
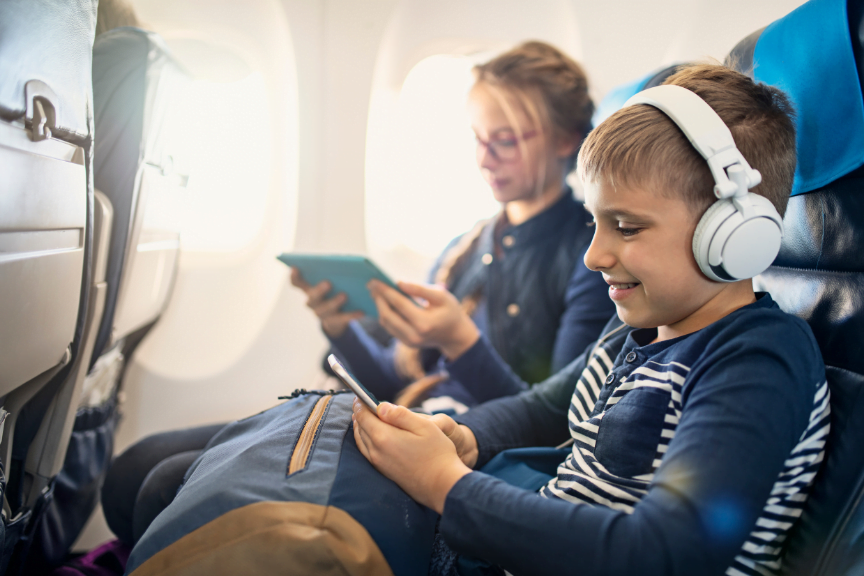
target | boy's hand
[
  {"x": 409, "y": 449},
  {"x": 461, "y": 436},
  {"x": 441, "y": 323},
  {"x": 333, "y": 322}
]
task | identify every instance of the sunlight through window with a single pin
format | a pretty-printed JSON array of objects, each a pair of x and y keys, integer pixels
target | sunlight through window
[
  {"x": 226, "y": 143},
  {"x": 423, "y": 184}
]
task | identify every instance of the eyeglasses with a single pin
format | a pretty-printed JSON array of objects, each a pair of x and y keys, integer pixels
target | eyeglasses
[{"x": 504, "y": 149}]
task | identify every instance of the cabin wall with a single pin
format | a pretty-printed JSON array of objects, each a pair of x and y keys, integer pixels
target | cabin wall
[{"x": 236, "y": 335}]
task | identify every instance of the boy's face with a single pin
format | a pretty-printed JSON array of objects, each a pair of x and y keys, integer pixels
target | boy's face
[{"x": 643, "y": 246}]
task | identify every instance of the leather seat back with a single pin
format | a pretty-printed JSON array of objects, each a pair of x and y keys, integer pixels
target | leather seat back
[{"x": 815, "y": 54}]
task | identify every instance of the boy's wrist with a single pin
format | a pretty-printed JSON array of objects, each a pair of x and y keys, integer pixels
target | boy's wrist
[{"x": 445, "y": 480}]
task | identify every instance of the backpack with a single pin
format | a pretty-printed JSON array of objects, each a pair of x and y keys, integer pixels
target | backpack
[{"x": 287, "y": 491}]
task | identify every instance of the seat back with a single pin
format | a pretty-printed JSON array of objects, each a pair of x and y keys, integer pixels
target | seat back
[
  {"x": 815, "y": 55},
  {"x": 135, "y": 82},
  {"x": 615, "y": 99},
  {"x": 46, "y": 227},
  {"x": 45, "y": 128}
]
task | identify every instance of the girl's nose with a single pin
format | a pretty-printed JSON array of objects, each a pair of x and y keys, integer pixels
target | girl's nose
[{"x": 485, "y": 156}]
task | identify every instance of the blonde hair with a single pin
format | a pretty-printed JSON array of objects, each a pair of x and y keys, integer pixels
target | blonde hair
[
  {"x": 551, "y": 87},
  {"x": 641, "y": 146}
]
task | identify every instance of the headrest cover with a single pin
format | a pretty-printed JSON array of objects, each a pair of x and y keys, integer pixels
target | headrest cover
[
  {"x": 614, "y": 100},
  {"x": 808, "y": 54}
]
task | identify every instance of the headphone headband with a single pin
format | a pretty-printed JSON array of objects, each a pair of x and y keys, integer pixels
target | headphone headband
[
  {"x": 707, "y": 133},
  {"x": 739, "y": 235}
]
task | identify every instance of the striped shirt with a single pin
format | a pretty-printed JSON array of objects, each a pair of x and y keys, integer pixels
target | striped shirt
[
  {"x": 694, "y": 455},
  {"x": 584, "y": 479}
]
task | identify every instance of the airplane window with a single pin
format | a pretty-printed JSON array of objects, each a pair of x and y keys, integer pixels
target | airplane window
[
  {"x": 423, "y": 187},
  {"x": 227, "y": 146}
]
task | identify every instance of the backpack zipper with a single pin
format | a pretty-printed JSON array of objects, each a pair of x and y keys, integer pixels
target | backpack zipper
[{"x": 303, "y": 447}]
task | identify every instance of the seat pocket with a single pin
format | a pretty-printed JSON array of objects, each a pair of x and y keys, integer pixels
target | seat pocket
[{"x": 630, "y": 432}]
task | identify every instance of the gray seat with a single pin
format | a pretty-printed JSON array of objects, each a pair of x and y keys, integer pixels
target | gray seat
[
  {"x": 135, "y": 84},
  {"x": 46, "y": 227}
]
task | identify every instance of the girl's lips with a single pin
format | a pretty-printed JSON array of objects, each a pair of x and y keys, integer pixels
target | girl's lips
[
  {"x": 622, "y": 291},
  {"x": 498, "y": 183}
]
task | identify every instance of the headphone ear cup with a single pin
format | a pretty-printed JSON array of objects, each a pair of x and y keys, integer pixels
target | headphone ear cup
[
  {"x": 711, "y": 220},
  {"x": 741, "y": 247}
]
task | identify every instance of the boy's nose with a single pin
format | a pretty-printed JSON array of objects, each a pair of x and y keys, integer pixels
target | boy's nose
[{"x": 598, "y": 256}]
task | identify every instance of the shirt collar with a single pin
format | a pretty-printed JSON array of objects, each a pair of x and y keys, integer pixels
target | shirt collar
[
  {"x": 640, "y": 338},
  {"x": 539, "y": 227}
]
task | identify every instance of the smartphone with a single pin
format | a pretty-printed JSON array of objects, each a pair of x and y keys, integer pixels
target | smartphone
[
  {"x": 367, "y": 397},
  {"x": 346, "y": 273}
]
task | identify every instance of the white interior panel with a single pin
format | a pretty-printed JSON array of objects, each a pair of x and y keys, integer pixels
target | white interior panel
[{"x": 43, "y": 199}]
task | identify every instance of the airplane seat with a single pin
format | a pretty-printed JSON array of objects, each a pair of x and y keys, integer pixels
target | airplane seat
[
  {"x": 615, "y": 99},
  {"x": 46, "y": 243},
  {"x": 816, "y": 55},
  {"x": 135, "y": 80},
  {"x": 135, "y": 158}
]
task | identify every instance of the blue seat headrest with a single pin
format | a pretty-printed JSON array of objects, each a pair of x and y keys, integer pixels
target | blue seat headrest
[
  {"x": 820, "y": 75},
  {"x": 615, "y": 99}
]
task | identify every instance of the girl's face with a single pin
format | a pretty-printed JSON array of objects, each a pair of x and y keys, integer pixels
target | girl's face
[{"x": 511, "y": 157}]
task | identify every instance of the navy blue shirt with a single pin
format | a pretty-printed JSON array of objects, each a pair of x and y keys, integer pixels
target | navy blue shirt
[
  {"x": 691, "y": 456},
  {"x": 539, "y": 307}
]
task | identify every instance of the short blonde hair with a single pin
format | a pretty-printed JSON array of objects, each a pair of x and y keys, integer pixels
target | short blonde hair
[{"x": 641, "y": 146}]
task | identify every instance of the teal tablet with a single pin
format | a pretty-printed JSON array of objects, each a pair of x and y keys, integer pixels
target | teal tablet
[{"x": 346, "y": 273}]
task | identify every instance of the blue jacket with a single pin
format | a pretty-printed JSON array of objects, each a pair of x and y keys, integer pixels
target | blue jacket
[
  {"x": 694, "y": 454},
  {"x": 544, "y": 307}
]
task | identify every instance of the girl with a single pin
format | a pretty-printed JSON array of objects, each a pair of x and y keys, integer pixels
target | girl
[{"x": 517, "y": 278}]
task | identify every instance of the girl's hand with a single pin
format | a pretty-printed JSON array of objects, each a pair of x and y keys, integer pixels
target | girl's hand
[
  {"x": 409, "y": 449},
  {"x": 333, "y": 322},
  {"x": 441, "y": 323}
]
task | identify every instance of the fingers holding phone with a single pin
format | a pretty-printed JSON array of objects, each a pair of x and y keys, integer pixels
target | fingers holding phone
[
  {"x": 461, "y": 436},
  {"x": 409, "y": 449},
  {"x": 334, "y": 322},
  {"x": 440, "y": 322}
]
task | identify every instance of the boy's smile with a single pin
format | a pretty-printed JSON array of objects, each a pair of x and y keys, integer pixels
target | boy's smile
[{"x": 643, "y": 246}]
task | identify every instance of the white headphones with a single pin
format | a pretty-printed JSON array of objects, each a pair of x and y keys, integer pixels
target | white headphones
[{"x": 739, "y": 235}]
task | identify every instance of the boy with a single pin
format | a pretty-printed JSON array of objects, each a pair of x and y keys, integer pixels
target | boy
[{"x": 699, "y": 417}]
